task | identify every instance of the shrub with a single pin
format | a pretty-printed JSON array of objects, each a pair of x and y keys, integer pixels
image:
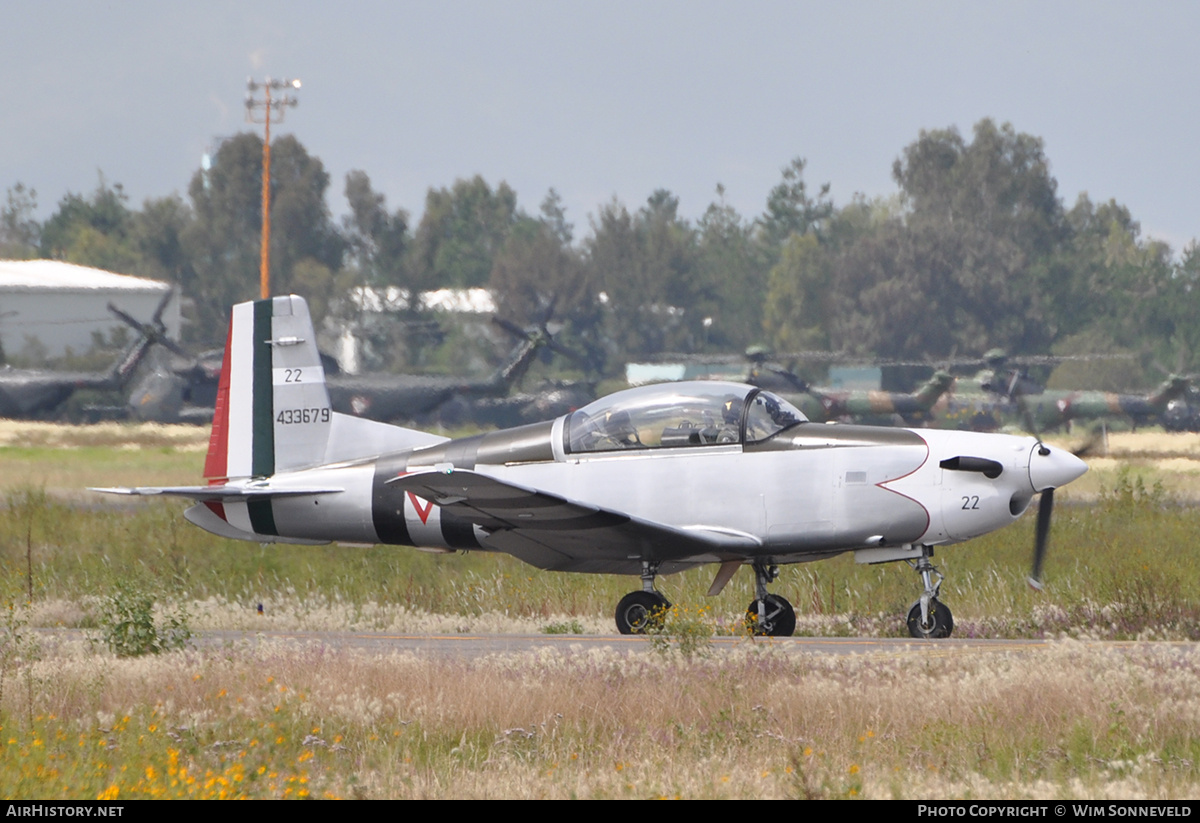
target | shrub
[{"x": 129, "y": 626}]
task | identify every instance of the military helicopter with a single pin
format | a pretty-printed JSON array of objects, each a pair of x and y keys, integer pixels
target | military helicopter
[
  {"x": 547, "y": 400},
  {"x": 648, "y": 481},
  {"x": 40, "y": 393},
  {"x": 820, "y": 404},
  {"x": 186, "y": 390},
  {"x": 880, "y": 408},
  {"x": 988, "y": 399}
]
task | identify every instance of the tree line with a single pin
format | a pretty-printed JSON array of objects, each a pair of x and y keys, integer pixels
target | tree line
[{"x": 975, "y": 250}]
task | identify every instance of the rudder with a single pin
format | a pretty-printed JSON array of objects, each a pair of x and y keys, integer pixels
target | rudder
[{"x": 273, "y": 412}]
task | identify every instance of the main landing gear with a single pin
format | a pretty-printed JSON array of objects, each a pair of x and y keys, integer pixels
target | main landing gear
[
  {"x": 644, "y": 611},
  {"x": 929, "y": 618},
  {"x": 769, "y": 615}
]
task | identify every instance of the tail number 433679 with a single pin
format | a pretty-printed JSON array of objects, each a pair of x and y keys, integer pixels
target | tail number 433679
[{"x": 293, "y": 416}]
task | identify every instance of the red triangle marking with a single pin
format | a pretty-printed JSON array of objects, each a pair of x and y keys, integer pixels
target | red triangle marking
[{"x": 422, "y": 511}]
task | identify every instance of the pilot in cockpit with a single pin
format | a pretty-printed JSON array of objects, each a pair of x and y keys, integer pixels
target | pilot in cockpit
[{"x": 619, "y": 431}]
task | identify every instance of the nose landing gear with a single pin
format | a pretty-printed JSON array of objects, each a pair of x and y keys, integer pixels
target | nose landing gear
[{"x": 929, "y": 618}]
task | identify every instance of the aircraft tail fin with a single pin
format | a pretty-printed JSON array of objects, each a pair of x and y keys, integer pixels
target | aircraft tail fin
[
  {"x": 1174, "y": 386},
  {"x": 934, "y": 388},
  {"x": 273, "y": 412}
]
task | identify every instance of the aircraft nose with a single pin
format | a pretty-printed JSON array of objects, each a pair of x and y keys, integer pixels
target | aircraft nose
[{"x": 1055, "y": 469}]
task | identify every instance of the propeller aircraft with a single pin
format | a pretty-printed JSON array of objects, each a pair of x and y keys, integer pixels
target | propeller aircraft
[{"x": 644, "y": 482}]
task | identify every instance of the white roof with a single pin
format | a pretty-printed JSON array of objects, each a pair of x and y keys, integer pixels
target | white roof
[
  {"x": 52, "y": 275},
  {"x": 394, "y": 298}
]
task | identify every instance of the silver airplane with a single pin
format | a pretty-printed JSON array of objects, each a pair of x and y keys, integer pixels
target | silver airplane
[{"x": 644, "y": 482}]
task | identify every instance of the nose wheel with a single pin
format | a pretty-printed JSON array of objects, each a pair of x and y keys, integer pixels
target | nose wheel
[
  {"x": 937, "y": 624},
  {"x": 929, "y": 618}
]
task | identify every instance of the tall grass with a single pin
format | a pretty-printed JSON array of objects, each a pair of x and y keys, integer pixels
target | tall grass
[
  {"x": 1124, "y": 567},
  {"x": 269, "y": 720},
  {"x": 266, "y": 719}
]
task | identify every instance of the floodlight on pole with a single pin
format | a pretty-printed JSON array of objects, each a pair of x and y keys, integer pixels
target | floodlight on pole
[{"x": 279, "y": 105}]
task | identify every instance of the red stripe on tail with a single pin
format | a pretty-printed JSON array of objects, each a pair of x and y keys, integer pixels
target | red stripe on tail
[{"x": 216, "y": 463}]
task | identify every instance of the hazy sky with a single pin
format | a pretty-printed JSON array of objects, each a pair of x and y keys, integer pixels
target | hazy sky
[{"x": 606, "y": 99}]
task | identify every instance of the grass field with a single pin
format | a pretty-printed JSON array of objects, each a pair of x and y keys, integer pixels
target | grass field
[{"x": 271, "y": 721}]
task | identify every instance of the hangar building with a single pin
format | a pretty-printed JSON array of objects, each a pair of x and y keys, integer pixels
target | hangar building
[{"x": 48, "y": 306}]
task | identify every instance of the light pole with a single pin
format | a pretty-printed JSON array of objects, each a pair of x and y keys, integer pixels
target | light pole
[{"x": 267, "y": 105}]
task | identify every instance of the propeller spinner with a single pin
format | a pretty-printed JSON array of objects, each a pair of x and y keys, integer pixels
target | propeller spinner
[{"x": 1049, "y": 468}]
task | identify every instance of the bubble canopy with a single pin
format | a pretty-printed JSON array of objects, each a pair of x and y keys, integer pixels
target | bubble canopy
[{"x": 679, "y": 415}]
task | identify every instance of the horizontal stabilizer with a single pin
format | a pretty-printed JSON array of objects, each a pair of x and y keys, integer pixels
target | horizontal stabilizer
[
  {"x": 355, "y": 438},
  {"x": 222, "y": 493}
]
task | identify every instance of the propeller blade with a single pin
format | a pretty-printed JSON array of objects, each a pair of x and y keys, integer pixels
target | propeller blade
[
  {"x": 567, "y": 352},
  {"x": 1045, "y": 507},
  {"x": 511, "y": 327},
  {"x": 162, "y": 305}
]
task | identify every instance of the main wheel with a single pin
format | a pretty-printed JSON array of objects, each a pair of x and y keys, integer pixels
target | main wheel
[
  {"x": 640, "y": 612},
  {"x": 941, "y": 622},
  {"x": 779, "y": 619}
]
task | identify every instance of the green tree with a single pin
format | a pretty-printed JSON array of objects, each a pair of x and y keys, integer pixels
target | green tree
[
  {"x": 1000, "y": 182},
  {"x": 20, "y": 231},
  {"x": 93, "y": 230},
  {"x": 157, "y": 231},
  {"x": 535, "y": 272},
  {"x": 966, "y": 266},
  {"x": 644, "y": 267},
  {"x": 461, "y": 232},
  {"x": 376, "y": 239},
  {"x": 731, "y": 278},
  {"x": 790, "y": 209},
  {"x": 301, "y": 225},
  {"x": 224, "y": 239},
  {"x": 554, "y": 214},
  {"x": 797, "y": 311}
]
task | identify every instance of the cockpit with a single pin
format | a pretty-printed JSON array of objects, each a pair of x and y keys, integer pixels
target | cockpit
[{"x": 679, "y": 415}]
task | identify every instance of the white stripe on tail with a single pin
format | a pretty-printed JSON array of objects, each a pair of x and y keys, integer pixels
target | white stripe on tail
[{"x": 273, "y": 412}]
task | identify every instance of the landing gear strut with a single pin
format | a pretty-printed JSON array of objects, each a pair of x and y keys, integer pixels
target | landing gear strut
[
  {"x": 769, "y": 615},
  {"x": 929, "y": 618},
  {"x": 643, "y": 611}
]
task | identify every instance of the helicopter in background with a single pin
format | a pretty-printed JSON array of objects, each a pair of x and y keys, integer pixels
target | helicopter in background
[
  {"x": 987, "y": 401},
  {"x": 41, "y": 393},
  {"x": 184, "y": 389}
]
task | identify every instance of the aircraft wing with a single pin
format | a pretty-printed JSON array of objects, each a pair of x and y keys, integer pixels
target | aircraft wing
[
  {"x": 552, "y": 532},
  {"x": 223, "y": 493}
]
